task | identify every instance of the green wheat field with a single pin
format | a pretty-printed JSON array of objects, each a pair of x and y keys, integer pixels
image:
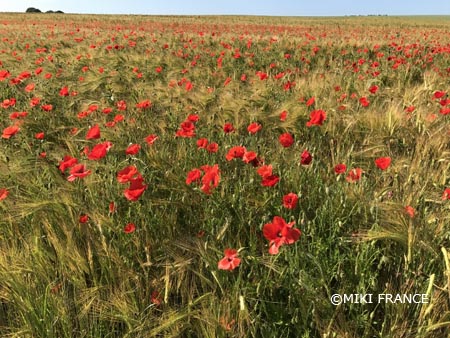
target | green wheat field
[{"x": 213, "y": 176}]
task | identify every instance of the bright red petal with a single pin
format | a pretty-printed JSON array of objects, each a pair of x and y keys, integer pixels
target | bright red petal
[
  {"x": 271, "y": 230},
  {"x": 292, "y": 236},
  {"x": 3, "y": 194}
]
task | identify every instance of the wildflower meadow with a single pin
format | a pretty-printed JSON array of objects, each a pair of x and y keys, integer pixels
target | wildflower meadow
[{"x": 224, "y": 176}]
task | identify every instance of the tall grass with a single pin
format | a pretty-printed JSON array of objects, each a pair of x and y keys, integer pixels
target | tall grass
[{"x": 61, "y": 277}]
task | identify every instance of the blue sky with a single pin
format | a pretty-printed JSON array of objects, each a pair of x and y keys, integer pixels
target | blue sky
[{"x": 249, "y": 7}]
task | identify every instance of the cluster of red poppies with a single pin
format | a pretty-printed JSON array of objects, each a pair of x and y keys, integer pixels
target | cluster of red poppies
[{"x": 132, "y": 176}]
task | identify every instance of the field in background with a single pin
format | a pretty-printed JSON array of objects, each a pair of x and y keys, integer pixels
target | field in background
[{"x": 136, "y": 150}]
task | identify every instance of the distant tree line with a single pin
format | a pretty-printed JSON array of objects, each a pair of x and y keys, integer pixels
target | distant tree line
[{"x": 37, "y": 10}]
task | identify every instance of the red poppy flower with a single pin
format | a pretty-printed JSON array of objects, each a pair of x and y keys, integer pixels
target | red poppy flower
[
  {"x": 83, "y": 219},
  {"x": 133, "y": 149},
  {"x": 230, "y": 261},
  {"x": 438, "y": 94},
  {"x": 288, "y": 85},
  {"x": 193, "y": 176},
  {"x": 3, "y": 194},
  {"x": 129, "y": 228},
  {"x": 127, "y": 174},
  {"x": 311, "y": 101},
  {"x": 228, "y": 128},
  {"x": 35, "y": 101},
  {"x": 290, "y": 200},
  {"x": 155, "y": 298},
  {"x": 193, "y": 118},
  {"x": 4, "y": 74},
  {"x": 340, "y": 168},
  {"x": 306, "y": 158},
  {"x": 265, "y": 170},
  {"x": 121, "y": 105},
  {"x": 262, "y": 75},
  {"x": 446, "y": 194},
  {"x": 373, "y": 89},
  {"x": 93, "y": 133},
  {"x": 187, "y": 129},
  {"x": 30, "y": 87},
  {"x": 202, "y": 143},
  {"x": 39, "y": 136},
  {"x": 283, "y": 115},
  {"x": 279, "y": 233},
  {"x": 136, "y": 189},
  {"x": 270, "y": 180},
  {"x": 78, "y": 171},
  {"x": 444, "y": 102},
  {"x": 444, "y": 111},
  {"x": 144, "y": 104},
  {"x": 24, "y": 75},
  {"x": 83, "y": 114},
  {"x": 99, "y": 151},
  {"x": 364, "y": 101},
  {"x": 254, "y": 127},
  {"x": 213, "y": 147},
  {"x": 8, "y": 132},
  {"x": 286, "y": 140},
  {"x": 235, "y": 152},
  {"x": 8, "y": 103},
  {"x": 211, "y": 178},
  {"x": 150, "y": 139},
  {"x": 354, "y": 175},
  {"x": 252, "y": 158},
  {"x": 67, "y": 162},
  {"x": 316, "y": 118},
  {"x": 64, "y": 91},
  {"x": 188, "y": 86},
  {"x": 17, "y": 115},
  {"x": 383, "y": 162},
  {"x": 47, "y": 107},
  {"x": 249, "y": 156},
  {"x": 410, "y": 211}
]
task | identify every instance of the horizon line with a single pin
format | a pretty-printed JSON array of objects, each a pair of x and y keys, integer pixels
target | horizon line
[{"x": 230, "y": 15}]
